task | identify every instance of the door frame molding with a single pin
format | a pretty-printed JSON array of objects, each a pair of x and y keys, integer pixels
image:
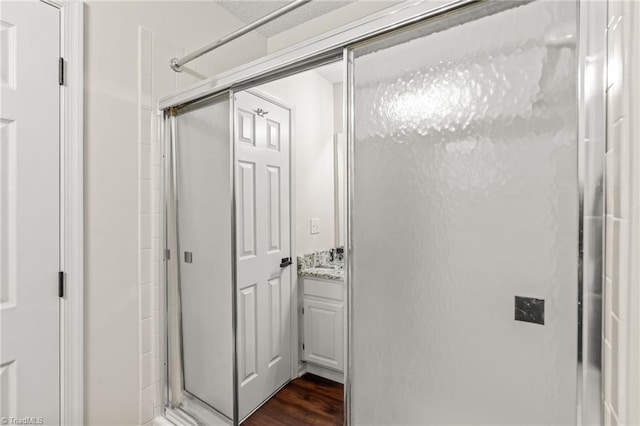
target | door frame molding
[{"x": 71, "y": 356}]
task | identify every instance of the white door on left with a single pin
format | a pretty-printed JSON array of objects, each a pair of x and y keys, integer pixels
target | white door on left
[{"x": 29, "y": 212}]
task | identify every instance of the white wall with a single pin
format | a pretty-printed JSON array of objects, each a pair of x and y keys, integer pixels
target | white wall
[
  {"x": 633, "y": 332},
  {"x": 311, "y": 97},
  {"x": 338, "y": 109},
  {"x": 340, "y": 164},
  {"x": 113, "y": 234},
  {"x": 622, "y": 269}
]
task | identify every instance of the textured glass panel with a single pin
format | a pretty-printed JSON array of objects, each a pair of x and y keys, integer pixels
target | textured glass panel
[
  {"x": 465, "y": 195},
  {"x": 205, "y": 232}
]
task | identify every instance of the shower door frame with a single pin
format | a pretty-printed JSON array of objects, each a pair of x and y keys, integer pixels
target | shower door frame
[{"x": 335, "y": 46}]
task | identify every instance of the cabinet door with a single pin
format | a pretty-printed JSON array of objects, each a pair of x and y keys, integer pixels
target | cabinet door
[{"x": 323, "y": 333}]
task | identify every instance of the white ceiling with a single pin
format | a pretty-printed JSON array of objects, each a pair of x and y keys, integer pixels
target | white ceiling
[{"x": 250, "y": 10}]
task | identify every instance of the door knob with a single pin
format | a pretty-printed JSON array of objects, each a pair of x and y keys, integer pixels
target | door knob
[{"x": 286, "y": 261}]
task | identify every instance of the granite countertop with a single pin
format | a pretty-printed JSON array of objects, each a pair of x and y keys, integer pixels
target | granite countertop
[{"x": 325, "y": 264}]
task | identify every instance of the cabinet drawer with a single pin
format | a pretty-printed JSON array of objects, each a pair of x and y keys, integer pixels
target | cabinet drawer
[{"x": 326, "y": 289}]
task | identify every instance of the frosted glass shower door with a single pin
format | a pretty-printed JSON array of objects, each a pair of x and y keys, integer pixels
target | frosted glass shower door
[
  {"x": 464, "y": 220},
  {"x": 203, "y": 188}
]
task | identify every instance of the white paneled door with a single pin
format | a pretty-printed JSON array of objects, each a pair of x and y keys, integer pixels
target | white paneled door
[
  {"x": 262, "y": 223},
  {"x": 29, "y": 212}
]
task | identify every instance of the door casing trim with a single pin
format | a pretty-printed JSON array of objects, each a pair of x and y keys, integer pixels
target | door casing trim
[{"x": 72, "y": 211}]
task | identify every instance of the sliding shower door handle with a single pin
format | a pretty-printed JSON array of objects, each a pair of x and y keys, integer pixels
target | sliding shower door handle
[{"x": 286, "y": 261}]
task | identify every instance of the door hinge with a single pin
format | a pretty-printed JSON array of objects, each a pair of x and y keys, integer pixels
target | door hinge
[
  {"x": 61, "y": 284},
  {"x": 167, "y": 254},
  {"x": 303, "y": 346},
  {"x": 61, "y": 76},
  {"x": 302, "y": 311}
]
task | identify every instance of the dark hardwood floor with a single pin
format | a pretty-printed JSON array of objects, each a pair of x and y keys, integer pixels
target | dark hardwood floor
[{"x": 309, "y": 400}]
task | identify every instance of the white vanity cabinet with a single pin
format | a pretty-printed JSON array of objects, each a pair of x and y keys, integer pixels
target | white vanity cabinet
[{"x": 324, "y": 322}]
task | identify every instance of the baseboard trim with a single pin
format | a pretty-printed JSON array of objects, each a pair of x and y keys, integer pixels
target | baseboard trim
[{"x": 327, "y": 373}]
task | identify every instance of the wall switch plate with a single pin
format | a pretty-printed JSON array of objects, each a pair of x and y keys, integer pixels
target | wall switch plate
[{"x": 315, "y": 226}]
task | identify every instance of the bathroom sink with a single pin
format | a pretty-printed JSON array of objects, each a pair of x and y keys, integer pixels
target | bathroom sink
[
  {"x": 321, "y": 265},
  {"x": 331, "y": 273},
  {"x": 332, "y": 266},
  {"x": 334, "y": 271}
]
